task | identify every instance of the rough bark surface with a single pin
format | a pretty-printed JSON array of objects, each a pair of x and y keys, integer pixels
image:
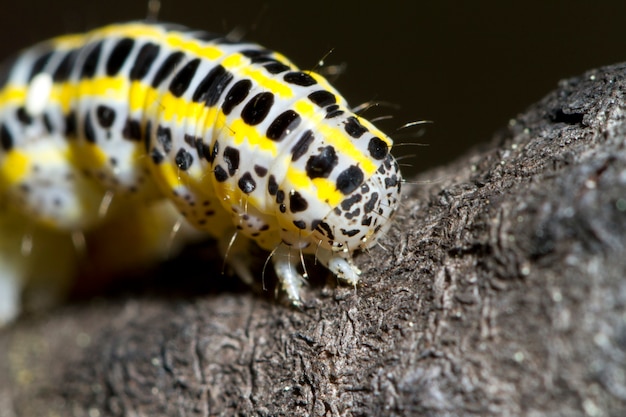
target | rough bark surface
[{"x": 501, "y": 292}]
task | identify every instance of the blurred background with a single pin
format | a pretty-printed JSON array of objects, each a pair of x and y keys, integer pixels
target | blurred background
[{"x": 468, "y": 66}]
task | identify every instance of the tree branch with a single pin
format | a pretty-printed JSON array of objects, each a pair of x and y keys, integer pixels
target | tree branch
[{"x": 501, "y": 292}]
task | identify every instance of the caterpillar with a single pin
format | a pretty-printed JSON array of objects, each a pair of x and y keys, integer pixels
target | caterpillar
[{"x": 246, "y": 147}]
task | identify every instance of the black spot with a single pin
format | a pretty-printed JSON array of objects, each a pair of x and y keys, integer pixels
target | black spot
[
  {"x": 378, "y": 149},
  {"x": 297, "y": 202},
  {"x": 183, "y": 159},
  {"x": 255, "y": 111},
  {"x": 231, "y": 157},
  {"x": 299, "y": 78},
  {"x": 70, "y": 124},
  {"x": 282, "y": 208},
  {"x": 47, "y": 123},
  {"x": 302, "y": 145},
  {"x": 255, "y": 53},
  {"x": 353, "y": 214},
  {"x": 147, "y": 135},
  {"x": 196, "y": 143},
  {"x": 132, "y": 130},
  {"x": 354, "y": 128},
  {"x": 262, "y": 60},
  {"x": 350, "y": 233},
  {"x": 333, "y": 111},
  {"x": 236, "y": 95},
  {"x": 272, "y": 185},
  {"x": 118, "y": 56},
  {"x": 276, "y": 67},
  {"x": 349, "y": 179},
  {"x": 91, "y": 61},
  {"x": 39, "y": 65},
  {"x": 145, "y": 58},
  {"x": 6, "y": 138},
  {"x": 90, "y": 134},
  {"x": 105, "y": 116},
  {"x": 157, "y": 156},
  {"x": 189, "y": 139},
  {"x": 246, "y": 183},
  {"x": 322, "y": 98},
  {"x": 164, "y": 137},
  {"x": 349, "y": 202},
  {"x": 260, "y": 171},
  {"x": 282, "y": 125},
  {"x": 371, "y": 203},
  {"x": 23, "y": 116},
  {"x": 391, "y": 182},
  {"x": 204, "y": 150},
  {"x": 366, "y": 221},
  {"x": 63, "y": 71},
  {"x": 387, "y": 163},
  {"x": 167, "y": 67},
  {"x": 300, "y": 224},
  {"x": 182, "y": 79},
  {"x": 321, "y": 165},
  {"x": 220, "y": 174},
  {"x": 212, "y": 86},
  {"x": 325, "y": 229},
  {"x": 280, "y": 197}
]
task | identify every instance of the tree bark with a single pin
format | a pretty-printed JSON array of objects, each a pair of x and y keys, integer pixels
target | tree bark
[{"x": 500, "y": 290}]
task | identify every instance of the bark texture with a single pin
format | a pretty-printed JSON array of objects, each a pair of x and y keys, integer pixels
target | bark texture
[{"x": 501, "y": 291}]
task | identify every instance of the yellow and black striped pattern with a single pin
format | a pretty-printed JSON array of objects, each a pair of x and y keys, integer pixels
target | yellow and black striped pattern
[{"x": 233, "y": 134}]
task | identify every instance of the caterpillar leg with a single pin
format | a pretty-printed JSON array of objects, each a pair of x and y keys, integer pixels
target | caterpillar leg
[
  {"x": 286, "y": 260},
  {"x": 342, "y": 267}
]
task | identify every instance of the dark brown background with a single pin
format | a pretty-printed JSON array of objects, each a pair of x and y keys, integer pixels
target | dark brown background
[{"x": 433, "y": 59}]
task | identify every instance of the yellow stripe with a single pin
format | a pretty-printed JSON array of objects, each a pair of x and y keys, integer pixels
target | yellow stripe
[
  {"x": 277, "y": 87},
  {"x": 242, "y": 132},
  {"x": 174, "y": 40},
  {"x": 14, "y": 167},
  {"x": 192, "y": 46},
  {"x": 68, "y": 41},
  {"x": 168, "y": 175},
  {"x": 64, "y": 94},
  {"x": 179, "y": 110},
  {"x": 12, "y": 94},
  {"x": 326, "y": 189}
]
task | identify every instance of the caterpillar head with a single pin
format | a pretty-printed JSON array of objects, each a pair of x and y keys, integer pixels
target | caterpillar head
[{"x": 365, "y": 214}]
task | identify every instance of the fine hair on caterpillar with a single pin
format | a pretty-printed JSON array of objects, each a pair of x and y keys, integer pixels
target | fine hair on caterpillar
[{"x": 171, "y": 134}]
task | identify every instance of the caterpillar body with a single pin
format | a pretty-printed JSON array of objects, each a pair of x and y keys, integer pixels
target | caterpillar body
[{"x": 242, "y": 143}]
